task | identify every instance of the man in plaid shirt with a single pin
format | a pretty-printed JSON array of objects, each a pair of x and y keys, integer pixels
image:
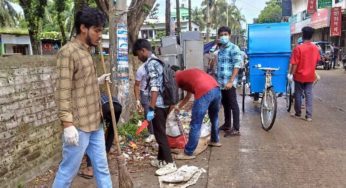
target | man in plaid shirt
[
  {"x": 229, "y": 62},
  {"x": 78, "y": 100}
]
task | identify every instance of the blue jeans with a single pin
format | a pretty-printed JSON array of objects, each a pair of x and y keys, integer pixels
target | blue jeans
[
  {"x": 145, "y": 104},
  {"x": 211, "y": 102},
  {"x": 93, "y": 143},
  {"x": 299, "y": 89}
]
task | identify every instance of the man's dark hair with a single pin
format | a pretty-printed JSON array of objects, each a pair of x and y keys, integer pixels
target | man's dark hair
[
  {"x": 140, "y": 44},
  {"x": 89, "y": 17},
  {"x": 307, "y": 32},
  {"x": 224, "y": 29}
]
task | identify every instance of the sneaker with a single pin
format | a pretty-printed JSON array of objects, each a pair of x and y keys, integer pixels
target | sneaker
[
  {"x": 308, "y": 119},
  {"x": 224, "y": 128},
  {"x": 296, "y": 116},
  {"x": 167, "y": 169},
  {"x": 183, "y": 156},
  {"x": 150, "y": 138},
  {"x": 215, "y": 144},
  {"x": 157, "y": 163},
  {"x": 232, "y": 133}
]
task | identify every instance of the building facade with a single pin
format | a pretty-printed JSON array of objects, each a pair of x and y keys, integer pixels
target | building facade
[
  {"x": 320, "y": 20},
  {"x": 154, "y": 30}
]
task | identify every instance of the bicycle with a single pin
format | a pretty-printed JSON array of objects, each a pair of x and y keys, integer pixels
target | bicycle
[{"x": 269, "y": 101}]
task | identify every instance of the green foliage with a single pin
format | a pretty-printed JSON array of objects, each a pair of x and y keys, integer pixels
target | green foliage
[
  {"x": 220, "y": 12},
  {"x": 128, "y": 130},
  {"x": 8, "y": 15},
  {"x": 18, "y": 31},
  {"x": 198, "y": 17},
  {"x": 50, "y": 35},
  {"x": 271, "y": 13}
]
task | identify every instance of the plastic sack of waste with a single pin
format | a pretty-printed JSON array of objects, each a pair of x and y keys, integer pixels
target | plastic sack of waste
[
  {"x": 175, "y": 134},
  {"x": 172, "y": 125}
]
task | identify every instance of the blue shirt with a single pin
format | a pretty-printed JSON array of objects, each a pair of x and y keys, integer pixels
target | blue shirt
[
  {"x": 229, "y": 57},
  {"x": 155, "y": 74}
]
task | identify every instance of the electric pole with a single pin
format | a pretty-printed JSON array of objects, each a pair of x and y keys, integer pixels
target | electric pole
[
  {"x": 190, "y": 24},
  {"x": 178, "y": 16}
]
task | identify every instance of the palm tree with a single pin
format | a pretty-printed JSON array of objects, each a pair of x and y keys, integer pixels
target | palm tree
[{"x": 8, "y": 15}]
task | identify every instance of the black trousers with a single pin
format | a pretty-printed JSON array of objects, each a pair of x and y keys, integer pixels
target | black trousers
[
  {"x": 108, "y": 119},
  {"x": 231, "y": 108},
  {"x": 159, "y": 125}
]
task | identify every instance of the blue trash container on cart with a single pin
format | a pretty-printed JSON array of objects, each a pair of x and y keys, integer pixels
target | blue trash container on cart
[{"x": 269, "y": 45}]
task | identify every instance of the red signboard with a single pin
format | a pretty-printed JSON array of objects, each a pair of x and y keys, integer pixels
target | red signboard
[
  {"x": 335, "y": 21},
  {"x": 311, "y": 6},
  {"x": 320, "y": 19}
]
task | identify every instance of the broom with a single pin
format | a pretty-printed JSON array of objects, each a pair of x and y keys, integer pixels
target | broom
[{"x": 125, "y": 180}]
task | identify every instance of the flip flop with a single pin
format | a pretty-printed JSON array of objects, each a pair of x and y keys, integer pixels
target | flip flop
[{"x": 86, "y": 176}]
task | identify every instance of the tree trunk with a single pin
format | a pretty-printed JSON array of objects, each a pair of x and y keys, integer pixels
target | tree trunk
[
  {"x": 33, "y": 26},
  {"x": 136, "y": 17},
  {"x": 103, "y": 5},
  {"x": 178, "y": 16},
  {"x": 62, "y": 29},
  {"x": 168, "y": 17}
]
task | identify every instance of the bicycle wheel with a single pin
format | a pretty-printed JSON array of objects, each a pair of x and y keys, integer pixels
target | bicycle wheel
[
  {"x": 243, "y": 100},
  {"x": 289, "y": 96},
  {"x": 268, "y": 109}
]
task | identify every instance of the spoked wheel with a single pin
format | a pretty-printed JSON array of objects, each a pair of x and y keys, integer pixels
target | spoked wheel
[
  {"x": 268, "y": 109},
  {"x": 289, "y": 96},
  {"x": 243, "y": 101}
]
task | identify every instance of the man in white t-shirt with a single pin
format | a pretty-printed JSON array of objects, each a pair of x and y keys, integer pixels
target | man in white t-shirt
[{"x": 142, "y": 96}]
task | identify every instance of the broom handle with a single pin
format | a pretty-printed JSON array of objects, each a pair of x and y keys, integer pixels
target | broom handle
[{"x": 111, "y": 105}]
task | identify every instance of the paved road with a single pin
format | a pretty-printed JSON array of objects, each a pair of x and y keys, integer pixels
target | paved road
[{"x": 295, "y": 153}]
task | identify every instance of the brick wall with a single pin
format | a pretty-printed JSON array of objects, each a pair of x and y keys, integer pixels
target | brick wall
[{"x": 29, "y": 127}]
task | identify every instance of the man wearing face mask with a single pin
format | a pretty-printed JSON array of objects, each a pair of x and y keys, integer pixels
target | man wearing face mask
[
  {"x": 78, "y": 100},
  {"x": 229, "y": 62}
]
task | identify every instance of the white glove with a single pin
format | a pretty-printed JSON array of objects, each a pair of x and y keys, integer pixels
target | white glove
[
  {"x": 71, "y": 135},
  {"x": 139, "y": 106},
  {"x": 290, "y": 77},
  {"x": 103, "y": 78}
]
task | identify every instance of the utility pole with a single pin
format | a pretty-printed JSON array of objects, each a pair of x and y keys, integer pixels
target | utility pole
[
  {"x": 168, "y": 17},
  {"x": 178, "y": 16},
  {"x": 190, "y": 24}
]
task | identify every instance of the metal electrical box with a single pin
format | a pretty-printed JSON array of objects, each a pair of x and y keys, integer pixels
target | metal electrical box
[{"x": 193, "y": 54}]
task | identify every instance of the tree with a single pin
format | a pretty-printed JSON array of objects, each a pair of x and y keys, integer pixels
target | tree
[
  {"x": 220, "y": 12},
  {"x": 8, "y": 15},
  {"x": 198, "y": 17},
  {"x": 137, "y": 13},
  {"x": 60, "y": 6},
  {"x": 34, "y": 11},
  {"x": 271, "y": 13},
  {"x": 139, "y": 10}
]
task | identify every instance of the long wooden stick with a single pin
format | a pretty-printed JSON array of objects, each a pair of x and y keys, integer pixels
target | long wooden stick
[{"x": 116, "y": 138}]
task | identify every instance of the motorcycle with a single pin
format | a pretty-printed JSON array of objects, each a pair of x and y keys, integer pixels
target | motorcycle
[{"x": 344, "y": 62}]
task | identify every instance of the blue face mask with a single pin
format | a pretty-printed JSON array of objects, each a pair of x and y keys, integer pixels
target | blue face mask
[{"x": 224, "y": 40}]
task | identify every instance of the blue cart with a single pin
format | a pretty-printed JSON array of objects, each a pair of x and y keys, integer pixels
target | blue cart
[{"x": 269, "y": 50}]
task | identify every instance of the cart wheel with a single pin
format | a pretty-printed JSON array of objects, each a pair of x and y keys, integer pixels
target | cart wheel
[
  {"x": 243, "y": 101},
  {"x": 289, "y": 96},
  {"x": 268, "y": 109}
]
